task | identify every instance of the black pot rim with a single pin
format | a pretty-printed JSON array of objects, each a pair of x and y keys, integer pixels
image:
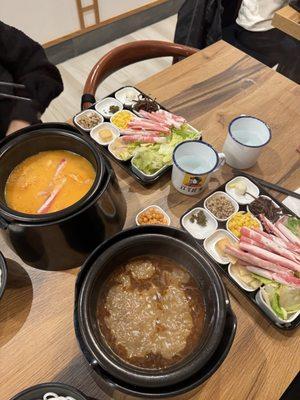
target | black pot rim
[
  {"x": 157, "y": 380},
  {"x": 3, "y": 268},
  {"x": 59, "y": 385},
  {"x": 184, "y": 387},
  {"x": 10, "y": 214}
]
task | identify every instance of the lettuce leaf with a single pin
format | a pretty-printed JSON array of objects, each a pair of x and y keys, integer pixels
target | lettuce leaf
[
  {"x": 289, "y": 298},
  {"x": 293, "y": 224},
  {"x": 152, "y": 158},
  {"x": 275, "y": 304},
  {"x": 283, "y": 299},
  {"x": 265, "y": 281}
]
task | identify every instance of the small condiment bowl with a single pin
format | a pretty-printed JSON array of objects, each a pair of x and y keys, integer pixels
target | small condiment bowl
[
  {"x": 121, "y": 94},
  {"x": 242, "y": 284},
  {"x": 117, "y": 113},
  {"x": 263, "y": 304},
  {"x": 266, "y": 197},
  {"x": 233, "y": 215},
  {"x": 159, "y": 209},
  {"x": 210, "y": 244},
  {"x": 137, "y": 113},
  {"x": 103, "y": 106},
  {"x": 111, "y": 150},
  {"x": 232, "y": 201},
  {"x": 84, "y": 113},
  {"x": 196, "y": 230},
  {"x": 251, "y": 188},
  {"x": 94, "y": 133}
]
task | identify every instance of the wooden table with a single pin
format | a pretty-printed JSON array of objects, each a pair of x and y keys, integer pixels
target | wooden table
[
  {"x": 287, "y": 19},
  {"x": 37, "y": 342}
]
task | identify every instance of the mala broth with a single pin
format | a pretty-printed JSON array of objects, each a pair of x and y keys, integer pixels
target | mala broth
[
  {"x": 48, "y": 181},
  {"x": 151, "y": 313}
]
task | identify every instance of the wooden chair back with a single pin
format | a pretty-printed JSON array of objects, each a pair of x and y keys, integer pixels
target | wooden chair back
[{"x": 125, "y": 55}]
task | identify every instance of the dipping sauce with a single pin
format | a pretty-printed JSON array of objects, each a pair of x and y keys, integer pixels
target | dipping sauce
[
  {"x": 48, "y": 181},
  {"x": 151, "y": 313},
  {"x": 199, "y": 218},
  {"x": 105, "y": 135}
]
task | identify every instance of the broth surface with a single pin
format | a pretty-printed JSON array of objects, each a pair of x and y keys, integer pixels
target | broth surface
[
  {"x": 49, "y": 181},
  {"x": 151, "y": 313}
]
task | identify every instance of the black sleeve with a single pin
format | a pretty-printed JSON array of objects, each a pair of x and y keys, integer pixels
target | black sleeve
[{"x": 27, "y": 62}]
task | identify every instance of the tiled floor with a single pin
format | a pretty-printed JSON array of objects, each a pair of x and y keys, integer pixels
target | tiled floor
[{"x": 75, "y": 71}]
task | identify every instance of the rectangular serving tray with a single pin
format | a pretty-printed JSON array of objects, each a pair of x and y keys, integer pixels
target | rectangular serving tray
[
  {"x": 126, "y": 165},
  {"x": 250, "y": 296}
]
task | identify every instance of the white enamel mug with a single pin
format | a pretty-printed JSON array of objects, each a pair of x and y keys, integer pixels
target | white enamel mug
[
  {"x": 245, "y": 140},
  {"x": 193, "y": 163}
]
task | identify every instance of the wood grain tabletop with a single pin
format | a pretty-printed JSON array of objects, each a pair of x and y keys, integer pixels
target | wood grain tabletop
[
  {"x": 37, "y": 340},
  {"x": 287, "y": 19}
]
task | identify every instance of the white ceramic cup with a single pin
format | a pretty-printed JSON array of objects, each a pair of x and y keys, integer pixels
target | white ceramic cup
[
  {"x": 193, "y": 163},
  {"x": 245, "y": 140}
]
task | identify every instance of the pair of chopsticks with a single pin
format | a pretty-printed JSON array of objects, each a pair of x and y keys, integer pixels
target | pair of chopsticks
[
  {"x": 268, "y": 185},
  {"x": 12, "y": 96}
]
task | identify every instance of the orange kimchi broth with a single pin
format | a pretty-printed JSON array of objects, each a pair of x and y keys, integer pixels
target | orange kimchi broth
[
  {"x": 151, "y": 313},
  {"x": 48, "y": 181}
]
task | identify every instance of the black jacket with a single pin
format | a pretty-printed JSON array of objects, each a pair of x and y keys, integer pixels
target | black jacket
[
  {"x": 200, "y": 22},
  {"x": 23, "y": 60}
]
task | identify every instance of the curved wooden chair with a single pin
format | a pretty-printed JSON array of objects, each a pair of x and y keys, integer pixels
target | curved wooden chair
[{"x": 127, "y": 54}]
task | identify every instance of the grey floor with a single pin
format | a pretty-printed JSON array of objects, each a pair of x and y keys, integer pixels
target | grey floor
[{"x": 75, "y": 71}]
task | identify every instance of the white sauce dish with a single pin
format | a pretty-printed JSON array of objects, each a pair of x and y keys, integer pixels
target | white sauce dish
[
  {"x": 236, "y": 192},
  {"x": 127, "y": 96},
  {"x": 211, "y": 241},
  {"x": 103, "y": 106},
  {"x": 196, "y": 230},
  {"x": 100, "y": 133}
]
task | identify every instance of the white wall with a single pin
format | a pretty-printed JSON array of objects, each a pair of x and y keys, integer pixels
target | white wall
[
  {"x": 42, "y": 20},
  {"x": 111, "y": 8},
  {"x": 45, "y": 20}
]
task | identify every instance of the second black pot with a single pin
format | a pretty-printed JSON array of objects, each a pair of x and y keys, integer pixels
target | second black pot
[{"x": 131, "y": 243}]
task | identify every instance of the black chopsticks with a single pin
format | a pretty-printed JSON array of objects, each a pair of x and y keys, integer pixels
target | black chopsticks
[
  {"x": 12, "y": 96},
  {"x": 13, "y": 85},
  {"x": 268, "y": 185}
]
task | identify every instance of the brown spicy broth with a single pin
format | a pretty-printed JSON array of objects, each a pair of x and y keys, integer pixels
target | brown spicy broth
[{"x": 151, "y": 313}]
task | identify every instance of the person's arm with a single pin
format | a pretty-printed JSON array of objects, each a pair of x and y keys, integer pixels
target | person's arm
[
  {"x": 15, "y": 125},
  {"x": 27, "y": 62}
]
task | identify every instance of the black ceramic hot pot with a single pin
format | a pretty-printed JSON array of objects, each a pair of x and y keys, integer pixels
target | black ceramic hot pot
[
  {"x": 118, "y": 377},
  {"x": 37, "y": 392},
  {"x": 63, "y": 239}
]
